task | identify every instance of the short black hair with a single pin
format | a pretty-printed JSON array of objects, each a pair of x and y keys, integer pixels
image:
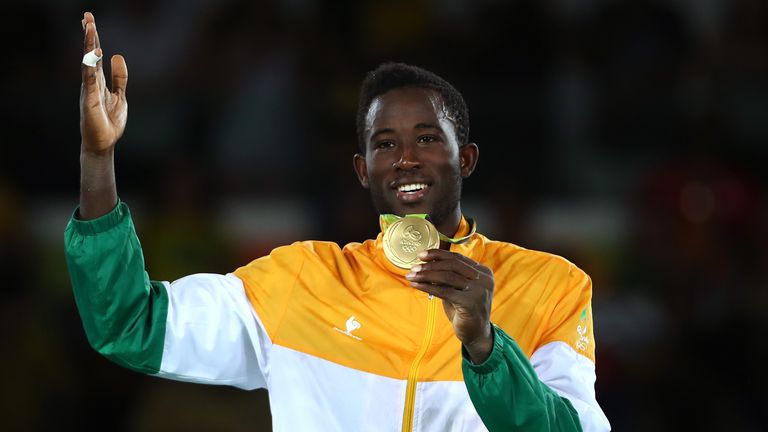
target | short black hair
[{"x": 389, "y": 76}]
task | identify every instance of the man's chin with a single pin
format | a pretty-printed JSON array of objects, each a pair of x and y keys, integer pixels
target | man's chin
[
  {"x": 389, "y": 204},
  {"x": 414, "y": 209},
  {"x": 402, "y": 210}
]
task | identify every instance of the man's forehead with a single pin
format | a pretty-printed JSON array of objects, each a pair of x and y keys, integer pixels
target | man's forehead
[{"x": 414, "y": 103}]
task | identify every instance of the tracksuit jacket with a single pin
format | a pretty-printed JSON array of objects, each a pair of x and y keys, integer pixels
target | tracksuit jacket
[{"x": 340, "y": 339}]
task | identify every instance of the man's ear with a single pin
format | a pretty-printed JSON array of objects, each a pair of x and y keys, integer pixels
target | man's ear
[
  {"x": 468, "y": 155},
  {"x": 361, "y": 169}
]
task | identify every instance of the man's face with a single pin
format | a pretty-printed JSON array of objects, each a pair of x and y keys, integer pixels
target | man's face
[{"x": 413, "y": 162}]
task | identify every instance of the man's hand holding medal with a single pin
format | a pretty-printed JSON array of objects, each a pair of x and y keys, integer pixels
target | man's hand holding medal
[{"x": 465, "y": 286}]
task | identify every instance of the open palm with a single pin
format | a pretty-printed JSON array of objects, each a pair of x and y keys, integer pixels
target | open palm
[{"x": 103, "y": 113}]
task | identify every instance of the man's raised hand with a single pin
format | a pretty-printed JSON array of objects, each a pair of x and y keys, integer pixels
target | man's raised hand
[{"x": 103, "y": 113}]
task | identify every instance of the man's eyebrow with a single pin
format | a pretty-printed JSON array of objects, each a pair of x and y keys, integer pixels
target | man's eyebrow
[
  {"x": 429, "y": 126},
  {"x": 418, "y": 126},
  {"x": 381, "y": 131}
]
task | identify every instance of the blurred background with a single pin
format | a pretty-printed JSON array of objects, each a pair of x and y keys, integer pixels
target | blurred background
[{"x": 628, "y": 136}]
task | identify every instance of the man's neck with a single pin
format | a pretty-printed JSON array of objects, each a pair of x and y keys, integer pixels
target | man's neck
[{"x": 450, "y": 226}]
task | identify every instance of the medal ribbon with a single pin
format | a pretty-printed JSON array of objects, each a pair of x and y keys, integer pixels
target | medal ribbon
[{"x": 386, "y": 220}]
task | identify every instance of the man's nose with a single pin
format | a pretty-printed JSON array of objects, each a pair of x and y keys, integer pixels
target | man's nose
[{"x": 409, "y": 158}]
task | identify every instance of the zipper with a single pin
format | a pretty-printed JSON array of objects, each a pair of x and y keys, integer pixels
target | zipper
[{"x": 413, "y": 372}]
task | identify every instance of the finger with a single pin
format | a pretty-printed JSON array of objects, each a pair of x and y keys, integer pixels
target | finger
[
  {"x": 445, "y": 278},
  {"x": 93, "y": 77},
  {"x": 89, "y": 18},
  {"x": 89, "y": 41},
  {"x": 93, "y": 71},
  {"x": 432, "y": 255},
  {"x": 443, "y": 292},
  {"x": 473, "y": 264},
  {"x": 439, "y": 254},
  {"x": 453, "y": 265},
  {"x": 90, "y": 75},
  {"x": 100, "y": 63},
  {"x": 119, "y": 75},
  {"x": 90, "y": 46}
]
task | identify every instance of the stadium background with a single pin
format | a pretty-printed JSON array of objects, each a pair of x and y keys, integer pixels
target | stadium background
[{"x": 630, "y": 137}]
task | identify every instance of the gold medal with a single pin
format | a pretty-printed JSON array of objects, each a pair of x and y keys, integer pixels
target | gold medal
[{"x": 405, "y": 238}]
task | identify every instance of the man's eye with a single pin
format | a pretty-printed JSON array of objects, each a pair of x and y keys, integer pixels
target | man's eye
[
  {"x": 385, "y": 144},
  {"x": 426, "y": 139}
]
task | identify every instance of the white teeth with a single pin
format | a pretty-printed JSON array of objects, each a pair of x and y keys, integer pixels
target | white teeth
[{"x": 411, "y": 187}]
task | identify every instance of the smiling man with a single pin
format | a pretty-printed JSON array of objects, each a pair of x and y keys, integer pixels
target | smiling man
[
  {"x": 349, "y": 338},
  {"x": 412, "y": 158}
]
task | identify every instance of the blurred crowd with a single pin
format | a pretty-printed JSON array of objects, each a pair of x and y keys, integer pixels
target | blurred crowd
[{"x": 628, "y": 136}]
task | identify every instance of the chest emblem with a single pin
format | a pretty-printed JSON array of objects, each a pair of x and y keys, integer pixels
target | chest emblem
[{"x": 352, "y": 325}]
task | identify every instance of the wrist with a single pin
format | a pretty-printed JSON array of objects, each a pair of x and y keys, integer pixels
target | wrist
[
  {"x": 98, "y": 193},
  {"x": 480, "y": 348},
  {"x": 96, "y": 155}
]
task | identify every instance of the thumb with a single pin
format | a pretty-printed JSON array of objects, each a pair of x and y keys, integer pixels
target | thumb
[{"x": 119, "y": 75}]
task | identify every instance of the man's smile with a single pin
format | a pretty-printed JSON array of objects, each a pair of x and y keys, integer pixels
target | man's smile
[{"x": 412, "y": 192}]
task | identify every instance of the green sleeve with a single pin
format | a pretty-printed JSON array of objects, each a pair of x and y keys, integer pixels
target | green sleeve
[
  {"x": 122, "y": 311},
  {"x": 508, "y": 395}
]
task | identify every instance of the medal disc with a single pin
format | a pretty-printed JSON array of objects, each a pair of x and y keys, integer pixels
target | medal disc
[{"x": 406, "y": 238}]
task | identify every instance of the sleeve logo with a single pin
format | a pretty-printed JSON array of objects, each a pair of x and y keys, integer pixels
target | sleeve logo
[{"x": 582, "y": 341}]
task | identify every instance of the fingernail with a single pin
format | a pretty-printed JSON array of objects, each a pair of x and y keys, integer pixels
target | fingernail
[
  {"x": 422, "y": 255},
  {"x": 410, "y": 275},
  {"x": 416, "y": 268}
]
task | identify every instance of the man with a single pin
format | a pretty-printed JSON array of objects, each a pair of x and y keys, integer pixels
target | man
[{"x": 349, "y": 338}]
